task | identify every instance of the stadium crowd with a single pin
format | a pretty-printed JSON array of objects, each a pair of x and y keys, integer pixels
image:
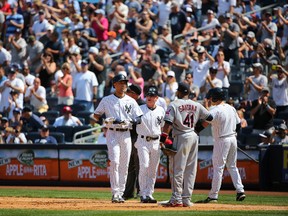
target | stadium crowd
[{"x": 59, "y": 57}]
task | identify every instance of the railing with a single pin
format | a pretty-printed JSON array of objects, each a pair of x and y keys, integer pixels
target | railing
[{"x": 86, "y": 139}]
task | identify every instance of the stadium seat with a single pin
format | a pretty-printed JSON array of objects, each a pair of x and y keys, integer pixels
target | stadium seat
[
  {"x": 77, "y": 107},
  {"x": 252, "y": 139},
  {"x": 81, "y": 128},
  {"x": 52, "y": 102},
  {"x": 235, "y": 89},
  {"x": 67, "y": 130}
]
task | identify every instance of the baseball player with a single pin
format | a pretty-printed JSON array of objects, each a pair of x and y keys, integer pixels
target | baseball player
[
  {"x": 182, "y": 115},
  {"x": 225, "y": 123},
  {"x": 149, "y": 131},
  {"x": 120, "y": 109}
]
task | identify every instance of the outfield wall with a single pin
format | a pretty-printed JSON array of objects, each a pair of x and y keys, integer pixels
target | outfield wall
[{"x": 89, "y": 164}]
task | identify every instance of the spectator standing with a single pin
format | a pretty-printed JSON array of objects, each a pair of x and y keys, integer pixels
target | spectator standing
[
  {"x": 177, "y": 61},
  {"x": 82, "y": 43},
  {"x": 17, "y": 46},
  {"x": 85, "y": 87},
  {"x": 199, "y": 65},
  {"x": 129, "y": 45},
  {"x": 36, "y": 96},
  {"x": 12, "y": 83},
  {"x": 13, "y": 104},
  {"x": 211, "y": 81},
  {"x": 226, "y": 6},
  {"x": 149, "y": 63},
  {"x": 34, "y": 52},
  {"x": 223, "y": 71},
  {"x": 55, "y": 46},
  {"x": 230, "y": 32},
  {"x": 5, "y": 56},
  {"x": 254, "y": 84},
  {"x": 263, "y": 110},
  {"x": 45, "y": 137},
  {"x": 39, "y": 28},
  {"x": 100, "y": 25},
  {"x": 13, "y": 21},
  {"x": 119, "y": 10},
  {"x": 47, "y": 69},
  {"x": 164, "y": 10},
  {"x": 177, "y": 19},
  {"x": 67, "y": 119},
  {"x": 29, "y": 78},
  {"x": 279, "y": 85},
  {"x": 268, "y": 29},
  {"x": 64, "y": 85},
  {"x": 97, "y": 66},
  {"x": 112, "y": 43},
  {"x": 169, "y": 88},
  {"x": 193, "y": 88}
]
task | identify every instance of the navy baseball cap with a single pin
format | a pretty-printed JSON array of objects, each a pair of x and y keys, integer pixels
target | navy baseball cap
[
  {"x": 152, "y": 91},
  {"x": 135, "y": 88},
  {"x": 183, "y": 88}
]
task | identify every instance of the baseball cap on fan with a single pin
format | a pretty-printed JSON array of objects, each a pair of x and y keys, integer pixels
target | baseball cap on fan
[
  {"x": 200, "y": 49},
  {"x": 251, "y": 34},
  {"x": 135, "y": 88}
]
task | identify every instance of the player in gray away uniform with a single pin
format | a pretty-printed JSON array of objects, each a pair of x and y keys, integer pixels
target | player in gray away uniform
[
  {"x": 225, "y": 123},
  {"x": 120, "y": 110},
  {"x": 182, "y": 115},
  {"x": 149, "y": 131}
]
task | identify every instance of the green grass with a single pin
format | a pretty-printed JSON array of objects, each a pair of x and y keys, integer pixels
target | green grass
[{"x": 281, "y": 200}]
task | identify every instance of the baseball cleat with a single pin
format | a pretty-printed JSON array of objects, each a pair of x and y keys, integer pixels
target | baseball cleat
[
  {"x": 187, "y": 203},
  {"x": 240, "y": 196},
  {"x": 208, "y": 200},
  {"x": 121, "y": 200},
  {"x": 143, "y": 199},
  {"x": 115, "y": 199},
  {"x": 150, "y": 199},
  {"x": 171, "y": 204}
]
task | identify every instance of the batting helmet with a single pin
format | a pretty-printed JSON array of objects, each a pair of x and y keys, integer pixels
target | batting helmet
[
  {"x": 217, "y": 94},
  {"x": 119, "y": 77}
]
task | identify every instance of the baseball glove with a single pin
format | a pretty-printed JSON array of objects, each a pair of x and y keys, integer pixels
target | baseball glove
[{"x": 167, "y": 151}]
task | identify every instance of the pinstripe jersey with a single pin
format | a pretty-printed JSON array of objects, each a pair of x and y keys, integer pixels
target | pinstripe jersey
[
  {"x": 151, "y": 121},
  {"x": 184, "y": 114},
  {"x": 124, "y": 108},
  {"x": 224, "y": 120}
]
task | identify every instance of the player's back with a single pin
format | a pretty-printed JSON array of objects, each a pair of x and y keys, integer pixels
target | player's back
[
  {"x": 224, "y": 121},
  {"x": 184, "y": 114}
]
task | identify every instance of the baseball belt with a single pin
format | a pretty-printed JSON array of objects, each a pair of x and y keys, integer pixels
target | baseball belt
[{"x": 149, "y": 138}]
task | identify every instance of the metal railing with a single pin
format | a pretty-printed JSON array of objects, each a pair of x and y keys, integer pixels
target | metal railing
[{"x": 78, "y": 137}]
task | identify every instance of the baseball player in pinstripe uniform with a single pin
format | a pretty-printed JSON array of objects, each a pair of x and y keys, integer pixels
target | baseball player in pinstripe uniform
[
  {"x": 182, "y": 115},
  {"x": 121, "y": 110},
  {"x": 225, "y": 123},
  {"x": 147, "y": 144}
]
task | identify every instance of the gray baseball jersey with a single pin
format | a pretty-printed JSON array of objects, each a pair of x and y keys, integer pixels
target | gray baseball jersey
[{"x": 184, "y": 114}]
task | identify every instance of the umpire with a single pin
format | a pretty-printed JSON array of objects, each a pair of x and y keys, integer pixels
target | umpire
[{"x": 133, "y": 91}]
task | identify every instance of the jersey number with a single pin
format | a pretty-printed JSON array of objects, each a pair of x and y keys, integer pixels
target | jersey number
[{"x": 188, "y": 121}]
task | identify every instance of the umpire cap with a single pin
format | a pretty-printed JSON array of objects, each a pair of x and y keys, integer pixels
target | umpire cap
[
  {"x": 119, "y": 77},
  {"x": 217, "y": 94}
]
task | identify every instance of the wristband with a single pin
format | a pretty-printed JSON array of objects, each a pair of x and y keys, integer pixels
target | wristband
[{"x": 163, "y": 137}]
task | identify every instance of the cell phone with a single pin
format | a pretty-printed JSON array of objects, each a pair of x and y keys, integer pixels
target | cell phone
[{"x": 274, "y": 67}]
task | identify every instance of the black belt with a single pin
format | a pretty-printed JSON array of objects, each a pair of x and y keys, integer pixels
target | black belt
[
  {"x": 149, "y": 138},
  {"x": 119, "y": 129}
]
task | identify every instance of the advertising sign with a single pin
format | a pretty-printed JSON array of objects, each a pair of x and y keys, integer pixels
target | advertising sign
[{"x": 32, "y": 164}]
